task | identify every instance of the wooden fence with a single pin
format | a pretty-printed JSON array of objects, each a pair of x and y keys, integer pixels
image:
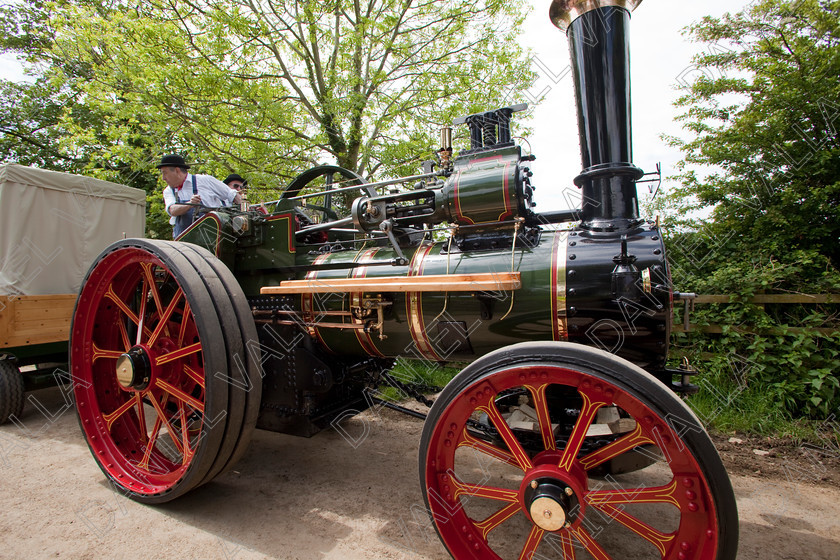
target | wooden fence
[{"x": 760, "y": 300}]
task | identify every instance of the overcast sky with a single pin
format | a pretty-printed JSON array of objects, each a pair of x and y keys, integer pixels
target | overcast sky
[{"x": 660, "y": 55}]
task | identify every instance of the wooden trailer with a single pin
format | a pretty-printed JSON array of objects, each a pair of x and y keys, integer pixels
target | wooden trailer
[{"x": 52, "y": 226}]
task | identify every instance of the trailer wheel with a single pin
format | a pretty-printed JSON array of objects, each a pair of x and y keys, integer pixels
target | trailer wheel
[
  {"x": 11, "y": 390},
  {"x": 492, "y": 494},
  {"x": 165, "y": 367}
]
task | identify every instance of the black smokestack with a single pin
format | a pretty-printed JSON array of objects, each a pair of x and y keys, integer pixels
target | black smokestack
[{"x": 600, "y": 51}]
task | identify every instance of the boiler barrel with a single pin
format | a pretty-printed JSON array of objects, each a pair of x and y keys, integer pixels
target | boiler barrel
[{"x": 566, "y": 293}]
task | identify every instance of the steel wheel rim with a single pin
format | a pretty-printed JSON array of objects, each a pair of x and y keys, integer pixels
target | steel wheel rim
[
  {"x": 696, "y": 536},
  {"x": 132, "y": 291}
]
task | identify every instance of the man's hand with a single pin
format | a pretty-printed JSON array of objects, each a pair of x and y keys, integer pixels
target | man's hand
[{"x": 182, "y": 208}]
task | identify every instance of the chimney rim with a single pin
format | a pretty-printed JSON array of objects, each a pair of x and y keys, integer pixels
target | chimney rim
[{"x": 564, "y": 12}]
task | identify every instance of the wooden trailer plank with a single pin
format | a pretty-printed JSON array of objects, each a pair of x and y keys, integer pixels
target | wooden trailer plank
[
  {"x": 6, "y": 315},
  {"x": 46, "y": 301},
  {"x": 33, "y": 325},
  {"x": 26, "y": 320},
  {"x": 480, "y": 282},
  {"x": 40, "y": 337},
  {"x": 38, "y": 308}
]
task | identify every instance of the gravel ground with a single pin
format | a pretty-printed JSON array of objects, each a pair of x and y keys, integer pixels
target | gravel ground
[{"x": 295, "y": 498}]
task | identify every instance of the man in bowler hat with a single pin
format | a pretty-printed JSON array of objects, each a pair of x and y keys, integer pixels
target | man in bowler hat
[
  {"x": 184, "y": 189},
  {"x": 236, "y": 182},
  {"x": 239, "y": 184}
]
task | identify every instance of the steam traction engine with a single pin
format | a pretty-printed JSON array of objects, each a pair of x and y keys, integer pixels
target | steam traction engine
[{"x": 564, "y": 434}]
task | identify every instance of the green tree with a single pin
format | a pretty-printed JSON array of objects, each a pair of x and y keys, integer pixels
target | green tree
[
  {"x": 262, "y": 88},
  {"x": 764, "y": 115},
  {"x": 272, "y": 87},
  {"x": 40, "y": 117},
  {"x": 762, "y": 161},
  {"x": 29, "y": 125}
]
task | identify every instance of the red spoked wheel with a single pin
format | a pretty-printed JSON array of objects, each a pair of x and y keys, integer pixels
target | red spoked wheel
[
  {"x": 512, "y": 457},
  {"x": 165, "y": 363}
]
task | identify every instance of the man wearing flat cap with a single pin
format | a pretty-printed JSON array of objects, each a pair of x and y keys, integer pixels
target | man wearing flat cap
[{"x": 184, "y": 189}]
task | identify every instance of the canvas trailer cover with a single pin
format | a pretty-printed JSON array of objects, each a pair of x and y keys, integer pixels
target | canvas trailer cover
[{"x": 52, "y": 227}]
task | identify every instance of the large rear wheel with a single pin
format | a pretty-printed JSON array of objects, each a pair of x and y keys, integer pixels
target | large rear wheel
[
  {"x": 511, "y": 462},
  {"x": 165, "y": 362}
]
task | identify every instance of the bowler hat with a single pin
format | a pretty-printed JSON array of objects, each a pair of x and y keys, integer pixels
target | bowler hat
[
  {"x": 235, "y": 177},
  {"x": 173, "y": 160}
]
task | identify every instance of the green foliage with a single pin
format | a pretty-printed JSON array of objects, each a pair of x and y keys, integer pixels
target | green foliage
[
  {"x": 791, "y": 370},
  {"x": 157, "y": 220},
  {"x": 765, "y": 116},
  {"x": 792, "y": 365},
  {"x": 423, "y": 374},
  {"x": 265, "y": 89},
  {"x": 30, "y": 125},
  {"x": 728, "y": 407},
  {"x": 762, "y": 161}
]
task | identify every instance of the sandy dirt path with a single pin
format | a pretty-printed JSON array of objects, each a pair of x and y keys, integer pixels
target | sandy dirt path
[{"x": 303, "y": 499}]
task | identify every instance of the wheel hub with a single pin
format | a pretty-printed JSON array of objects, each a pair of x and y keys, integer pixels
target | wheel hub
[
  {"x": 134, "y": 368},
  {"x": 552, "y": 504}
]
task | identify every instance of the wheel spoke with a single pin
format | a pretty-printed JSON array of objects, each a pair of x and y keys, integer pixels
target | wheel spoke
[
  {"x": 185, "y": 434},
  {"x": 101, "y": 353},
  {"x": 666, "y": 494},
  {"x": 122, "y": 306},
  {"x": 489, "y": 449},
  {"x": 541, "y": 407},
  {"x": 150, "y": 444},
  {"x": 587, "y": 414},
  {"x": 194, "y": 375},
  {"x": 591, "y": 546},
  {"x": 568, "y": 547},
  {"x": 112, "y": 417},
  {"x": 616, "y": 448},
  {"x": 496, "y": 519},
  {"x": 182, "y": 331},
  {"x": 142, "y": 313},
  {"x": 178, "y": 354},
  {"x": 657, "y": 538},
  {"x": 164, "y": 318},
  {"x": 534, "y": 540},
  {"x": 124, "y": 336},
  {"x": 507, "y": 435},
  {"x": 161, "y": 416},
  {"x": 148, "y": 272},
  {"x": 480, "y": 491},
  {"x": 196, "y": 404},
  {"x": 141, "y": 416}
]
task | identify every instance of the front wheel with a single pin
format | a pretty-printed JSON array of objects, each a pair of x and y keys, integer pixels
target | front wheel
[{"x": 512, "y": 456}]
